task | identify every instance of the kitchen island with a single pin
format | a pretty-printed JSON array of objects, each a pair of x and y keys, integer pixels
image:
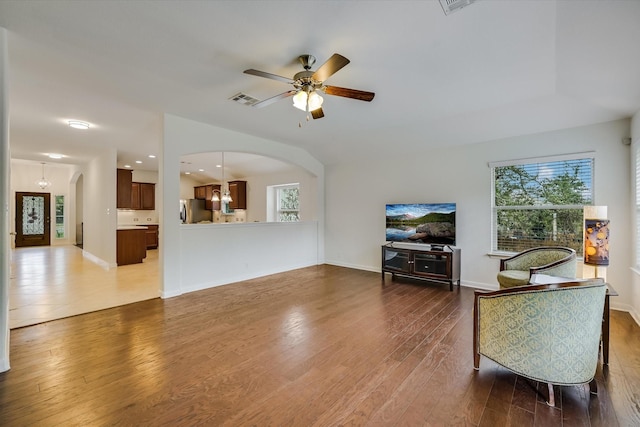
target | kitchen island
[{"x": 131, "y": 244}]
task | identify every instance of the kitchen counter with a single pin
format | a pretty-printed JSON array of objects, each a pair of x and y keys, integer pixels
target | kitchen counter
[{"x": 132, "y": 227}]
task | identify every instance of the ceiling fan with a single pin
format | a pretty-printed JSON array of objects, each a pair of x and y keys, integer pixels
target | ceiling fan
[{"x": 308, "y": 83}]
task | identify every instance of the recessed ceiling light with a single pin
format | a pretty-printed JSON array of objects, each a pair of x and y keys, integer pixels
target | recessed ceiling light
[
  {"x": 152, "y": 156},
  {"x": 200, "y": 170},
  {"x": 55, "y": 156},
  {"x": 127, "y": 166},
  {"x": 138, "y": 161},
  {"x": 218, "y": 166},
  {"x": 187, "y": 173},
  {"x": 76, "y": 124}
]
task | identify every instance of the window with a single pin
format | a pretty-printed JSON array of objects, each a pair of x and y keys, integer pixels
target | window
[
  {"x": 539, "y": 202},
  {"x": 59, "y": 217},
  {"x": 287, "y": 202}
]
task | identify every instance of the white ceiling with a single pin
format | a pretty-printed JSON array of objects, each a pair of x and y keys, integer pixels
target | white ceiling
[{"x": 492, "y": 70}]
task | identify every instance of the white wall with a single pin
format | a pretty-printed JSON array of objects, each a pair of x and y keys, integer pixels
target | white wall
[
  {"x": 99, "y": 209},
  {"x": 190, "y": 264},
  {"x": 257, "y": 193},
  {"x": 635, "y": 272},
  {"x": 186, "y": 186},
  {"x": 357, "y": 194},
  {"x": 4, "y": 207},
  {"x": 217, "y": 254}
]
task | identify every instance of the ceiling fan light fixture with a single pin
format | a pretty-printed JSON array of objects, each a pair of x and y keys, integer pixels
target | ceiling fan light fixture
[
  {"x": 300, "y": 100},
  {"x": 307, "y": 102},
  {"x": 315, "y": 101}
]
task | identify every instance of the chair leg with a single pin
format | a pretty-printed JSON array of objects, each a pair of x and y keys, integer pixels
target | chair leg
[
  {"x": 593, "y": 386},
  {"x": 552, "y": 396}
]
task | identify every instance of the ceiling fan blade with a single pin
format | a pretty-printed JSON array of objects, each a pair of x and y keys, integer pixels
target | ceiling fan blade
[
  {"x": 274, "y": 99},
  {"x": 349, "y": 93},
  {"x": 268, "y": 75},
  {"x": 317, "y": 113},
  {"x": 329, "y": 68}
]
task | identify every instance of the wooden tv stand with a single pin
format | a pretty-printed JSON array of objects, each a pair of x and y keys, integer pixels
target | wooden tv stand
[{"x": 423, "y": 263}]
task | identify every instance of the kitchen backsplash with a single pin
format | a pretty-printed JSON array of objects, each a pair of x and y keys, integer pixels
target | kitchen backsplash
[
  {"x": 239, "y": 215},
  {"x": 131, "y": 217}
]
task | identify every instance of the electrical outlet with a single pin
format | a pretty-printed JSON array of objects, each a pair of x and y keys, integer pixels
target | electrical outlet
[{"x": 135, "y": 219}]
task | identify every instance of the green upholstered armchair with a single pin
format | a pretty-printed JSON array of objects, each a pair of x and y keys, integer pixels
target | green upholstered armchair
[
  {"x": 548, "y": 333},
  {"x": 549, "y": 260}
]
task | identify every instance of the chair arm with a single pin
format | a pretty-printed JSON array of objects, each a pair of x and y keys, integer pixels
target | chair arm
[{"x": 563, "y": 268}]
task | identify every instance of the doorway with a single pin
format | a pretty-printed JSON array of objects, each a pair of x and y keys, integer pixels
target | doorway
[{"x": 33, "y": 219}]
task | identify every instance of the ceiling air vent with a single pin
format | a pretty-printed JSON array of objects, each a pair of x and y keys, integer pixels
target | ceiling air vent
[
  {"x": 450, "y": 6},
  {"x": 244, "y": 99}
]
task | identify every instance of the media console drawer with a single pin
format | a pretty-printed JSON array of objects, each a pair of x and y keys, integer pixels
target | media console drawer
[{"x": 434, "y": 265}]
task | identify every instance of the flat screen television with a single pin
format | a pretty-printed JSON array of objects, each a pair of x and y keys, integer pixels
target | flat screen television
[{"x": 427, "y": 223}]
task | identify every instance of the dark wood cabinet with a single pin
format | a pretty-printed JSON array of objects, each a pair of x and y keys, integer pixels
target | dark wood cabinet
[
  {"x": 205, "y": 192},
  {"x": 152, "y": 236},
  {"x": 238, "y": 190},
  {"x": 135, "y": 195},
  {"x": 215, "y": 206},
  {"x": 123, "y": 188},
  {"x": 147, "y": 196},
  {"x": 434, "y": 265},
  {"x": 199, "y": 192},
  {"x": 131, "y": 246},
  {"x": 143, "y": 196}
]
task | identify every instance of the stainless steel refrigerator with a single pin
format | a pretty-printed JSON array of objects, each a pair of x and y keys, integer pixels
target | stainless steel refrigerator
[{"x": 192, "y": 211}]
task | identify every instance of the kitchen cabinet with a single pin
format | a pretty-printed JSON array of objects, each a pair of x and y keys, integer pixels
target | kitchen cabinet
[
  {"x": 123, "y": 188},
  {"x": 215, "y": 206},
  {"x": 131, "y": 245},
  {"x": 238, "y": 190},
  {"x": 200, "y": 192},
  {"x": 143, "y": 196},
  {"x": 152, "y": 236},
  {"x": 205, "y": 192},
  {"x": 147, "y": 196},
  {"x": 208, "y": 194}
]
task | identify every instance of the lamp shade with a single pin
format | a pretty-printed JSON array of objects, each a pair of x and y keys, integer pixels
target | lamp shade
[
  {"x": 596, "y": 241},
  {"x": 315, "y": 101},
  {"x": 300, "y": 100}
]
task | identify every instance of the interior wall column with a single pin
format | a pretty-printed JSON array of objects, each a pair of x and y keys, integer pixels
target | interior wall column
[{"x": 5, "y": 248}]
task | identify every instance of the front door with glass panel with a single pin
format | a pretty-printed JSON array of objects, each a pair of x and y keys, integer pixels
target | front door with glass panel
[{"x": 33, "y": 219}]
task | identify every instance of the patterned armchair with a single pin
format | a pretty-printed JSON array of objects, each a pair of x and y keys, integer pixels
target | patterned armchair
[
  {"x": 548, "y": 333},
  {"x": 549, "y": 260}
]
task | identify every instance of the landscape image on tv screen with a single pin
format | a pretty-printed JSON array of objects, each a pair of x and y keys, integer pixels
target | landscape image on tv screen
[{"x": 430, "y": 223}]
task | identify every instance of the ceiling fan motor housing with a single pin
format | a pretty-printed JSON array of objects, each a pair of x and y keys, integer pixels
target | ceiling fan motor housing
[
  {"x": 304, "y": 80},
  {"x": 307, "y": 61}
]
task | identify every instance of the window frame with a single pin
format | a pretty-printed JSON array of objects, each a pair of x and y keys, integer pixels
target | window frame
[
  {"x": 531, "y": 161},
  {"x": 60, "y": 227},
  {"x": 277, "y": 203}
]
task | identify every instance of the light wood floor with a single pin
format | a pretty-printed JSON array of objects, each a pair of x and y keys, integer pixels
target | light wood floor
[
  {"x": 53, "y": 282},
  {"x": 319, "y": 346}
]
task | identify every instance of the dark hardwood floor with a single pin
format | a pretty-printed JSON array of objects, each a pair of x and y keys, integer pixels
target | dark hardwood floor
[{"x": 319, "y": 346}]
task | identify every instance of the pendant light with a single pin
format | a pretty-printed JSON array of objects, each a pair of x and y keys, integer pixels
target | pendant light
[
  {"x": 225, "y": 194},
  {"x": 43, "y": 182}
]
